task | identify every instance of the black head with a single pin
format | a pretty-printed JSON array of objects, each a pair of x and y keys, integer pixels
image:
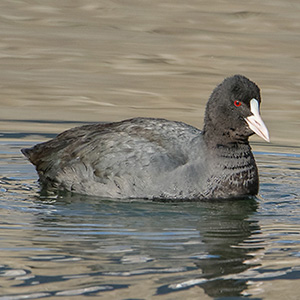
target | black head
[{"x": 228, "y": 108}]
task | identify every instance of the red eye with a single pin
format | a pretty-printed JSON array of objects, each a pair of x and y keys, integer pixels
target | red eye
[{"x": 237, "y": 103}]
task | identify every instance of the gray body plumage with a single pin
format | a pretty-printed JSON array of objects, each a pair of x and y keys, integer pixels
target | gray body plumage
[
  {"x": 161, "y": 159},
  {"x": 144, "y": 158}
]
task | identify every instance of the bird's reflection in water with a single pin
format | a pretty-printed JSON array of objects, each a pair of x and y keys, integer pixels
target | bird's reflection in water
[
  {"x": 223, "y": 232},
  {"x": 227, "y": 229}
]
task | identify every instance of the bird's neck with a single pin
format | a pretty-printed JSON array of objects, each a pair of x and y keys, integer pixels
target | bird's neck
[
  {"x": 235, "y": 163},
  {"x": 233, "y": 152},
  {"x": 223, "y": 145},
  {"x": 220, "y": 140}
]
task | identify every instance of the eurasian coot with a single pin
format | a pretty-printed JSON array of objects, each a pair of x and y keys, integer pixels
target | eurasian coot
[{"x": 160, "y": 159}]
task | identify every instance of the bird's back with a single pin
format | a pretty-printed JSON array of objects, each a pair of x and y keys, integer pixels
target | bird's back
[{"x": 132, "y": 158}]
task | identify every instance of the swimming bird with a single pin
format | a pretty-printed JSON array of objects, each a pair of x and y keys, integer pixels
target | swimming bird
[{"x": 155, "y": 158}]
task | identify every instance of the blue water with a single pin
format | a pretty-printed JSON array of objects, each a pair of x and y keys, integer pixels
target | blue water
[{"x": 71, "y": 245}]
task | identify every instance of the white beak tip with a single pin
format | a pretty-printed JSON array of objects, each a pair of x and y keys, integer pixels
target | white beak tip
[
  {"x": 267, "y": 139},
  {"x": 255, "y": 122}
]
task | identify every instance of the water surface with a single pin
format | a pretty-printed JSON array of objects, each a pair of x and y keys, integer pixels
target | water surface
[
  {"x": 72, "y": 245},
  {"x": 68, "y": 63}
]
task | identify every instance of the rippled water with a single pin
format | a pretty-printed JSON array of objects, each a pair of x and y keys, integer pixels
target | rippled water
[
  {"x": 77, "y": 245},
  {"x": 67, "y": 63}
]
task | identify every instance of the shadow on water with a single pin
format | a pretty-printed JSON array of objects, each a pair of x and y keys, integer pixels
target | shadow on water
[{"x": 195, "y": 244}]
